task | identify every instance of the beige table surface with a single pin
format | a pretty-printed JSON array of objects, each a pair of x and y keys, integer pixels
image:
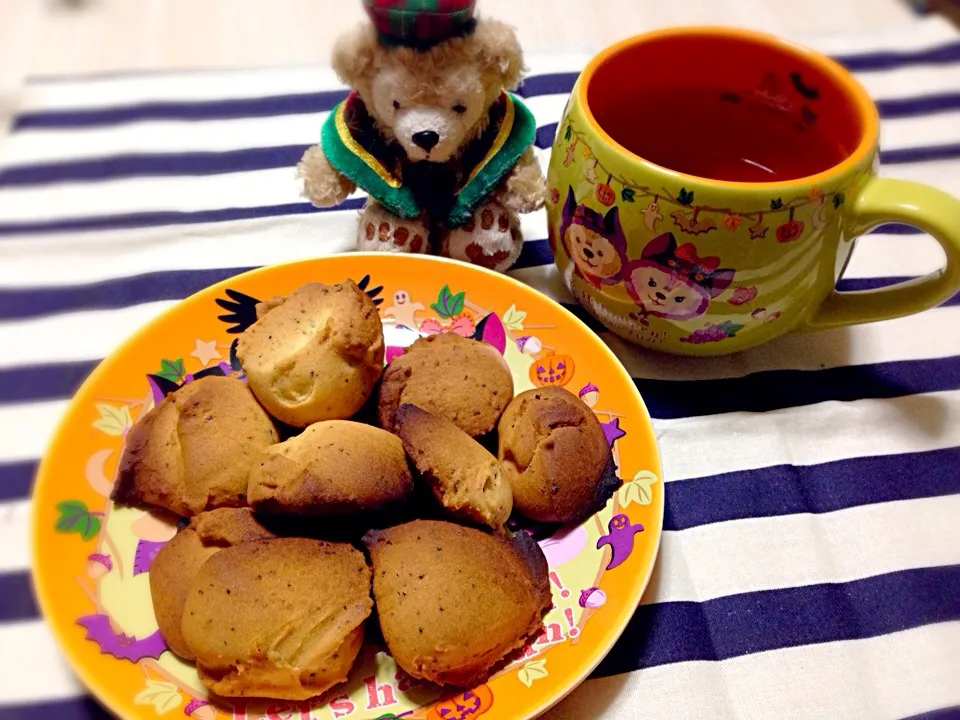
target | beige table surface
[
  {"x": 84, "y": 36},
  {"x": 74, "y": 37}
]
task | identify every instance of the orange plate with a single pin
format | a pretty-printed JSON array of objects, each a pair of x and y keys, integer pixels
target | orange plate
[{"x": 91, "y": 558}]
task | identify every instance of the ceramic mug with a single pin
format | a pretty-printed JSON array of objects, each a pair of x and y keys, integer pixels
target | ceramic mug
[{"x": 706, "y": 187}]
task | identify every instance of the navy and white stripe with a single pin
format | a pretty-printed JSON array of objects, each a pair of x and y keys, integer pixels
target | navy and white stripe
[{"x": 811, "y": 554}]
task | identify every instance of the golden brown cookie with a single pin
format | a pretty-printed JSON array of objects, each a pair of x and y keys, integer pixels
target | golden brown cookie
[
  {"x": 280, "y": 618},
  {"x": 454, "y": 601},
  {"x": 463, "y": 476},
  {"x": 465, "y": 381},
  {"x": 332, "y": 467},
  {"x": 555, "y": 456},
  {"x": 193, "y": 451},
  {"x": 315, "y": 354},
  {"x": 178, "y": 562}
]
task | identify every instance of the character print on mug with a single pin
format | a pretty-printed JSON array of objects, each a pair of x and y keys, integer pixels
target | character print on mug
[{"x": 674, "y": 282}]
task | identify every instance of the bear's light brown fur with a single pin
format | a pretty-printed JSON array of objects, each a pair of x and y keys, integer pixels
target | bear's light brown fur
[{"x": 449, "y": 89}]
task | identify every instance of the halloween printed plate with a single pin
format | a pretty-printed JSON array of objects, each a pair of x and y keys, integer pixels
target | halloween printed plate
[{"x": 92, "y": 560}]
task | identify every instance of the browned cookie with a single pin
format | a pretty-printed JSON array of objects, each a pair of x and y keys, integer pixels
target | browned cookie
[
  {"x": 315, "y": 354},
  {"x": 555, "y": 456},
  {"x": 178, "y": 562},
  {"x": 464, "y": 477},
  {"x": 465, "y": 381},
  {"x": 280, "y": 618},
  {"x": 333, "y": 467},
  {"x": 193, "y": 451},
  {"x": 454, "y": 601}
]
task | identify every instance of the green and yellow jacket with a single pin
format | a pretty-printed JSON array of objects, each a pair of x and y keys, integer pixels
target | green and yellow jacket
[{"x": 358, "y": 150}]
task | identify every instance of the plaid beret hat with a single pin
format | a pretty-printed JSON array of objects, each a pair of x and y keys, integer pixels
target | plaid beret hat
[{"x": 420, "y": 23}]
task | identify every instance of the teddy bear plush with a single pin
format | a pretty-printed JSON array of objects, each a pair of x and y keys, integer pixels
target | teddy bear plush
[{"x": 432, "y": 132}]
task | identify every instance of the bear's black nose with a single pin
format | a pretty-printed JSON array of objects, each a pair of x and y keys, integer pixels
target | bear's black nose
[
  {"x": 589, "y": 253},
  {"x": 426, "y": 139},
  {"x": 661, "y": 296}
]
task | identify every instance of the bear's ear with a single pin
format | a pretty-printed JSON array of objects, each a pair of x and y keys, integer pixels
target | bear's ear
[
  {"x": 499, "y": 51},
  {"x": 354, "y": 55}
]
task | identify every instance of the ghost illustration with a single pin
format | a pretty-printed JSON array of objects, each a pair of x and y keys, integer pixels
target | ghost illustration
[
  {"x": 619, "y": 538},
  {"x": 403, "y": 310}
]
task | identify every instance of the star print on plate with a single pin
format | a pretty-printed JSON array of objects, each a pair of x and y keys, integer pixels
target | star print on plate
[
  {"x": 612, "y": 431},
  {"x": 206, "y": 351}
]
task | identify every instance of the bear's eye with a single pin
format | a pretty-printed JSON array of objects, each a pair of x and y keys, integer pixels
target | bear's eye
[
  {"x": 600, "y": 253},
  {"x": 679, "y": 299},
  {"x": 460, "y": 108},
  {"x": 652, "y": 283},
  {"x": 396, "y": 104}
]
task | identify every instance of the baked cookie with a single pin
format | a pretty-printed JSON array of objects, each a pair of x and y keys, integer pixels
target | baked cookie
[
  {"x": 465, "y": 381},
  {"x": 280, "y": 618},
  {"x": 178, "y": 562},
  {"x": 463, "y": 476},
  {"x": 332, "y": 467},
  {"x": 315, "y": 354},
  {"x": 555, "y": 456},
  {"x": 454, "y": 601},
  {"x": 193, "y": 451}
]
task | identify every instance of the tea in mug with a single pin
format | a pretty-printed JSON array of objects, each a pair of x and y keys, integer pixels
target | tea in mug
[{"x": 720, "y": 135}]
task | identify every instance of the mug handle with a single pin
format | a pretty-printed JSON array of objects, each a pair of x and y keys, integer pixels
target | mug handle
[{"x": 885, "y": 200}]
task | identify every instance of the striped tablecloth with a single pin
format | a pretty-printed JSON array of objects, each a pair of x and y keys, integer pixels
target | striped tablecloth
[{"x": 810, "y": 565}]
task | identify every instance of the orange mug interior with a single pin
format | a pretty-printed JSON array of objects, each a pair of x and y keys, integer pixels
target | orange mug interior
[{"x": 729, "y": 105}]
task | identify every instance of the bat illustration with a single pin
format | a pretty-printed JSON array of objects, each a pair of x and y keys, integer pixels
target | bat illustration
[
  {"x": 119, "y": 644},
  {"x": 810, "y": 93},
  {"x": 242, "y": 309},
  {"x": 689, "y": 223}
]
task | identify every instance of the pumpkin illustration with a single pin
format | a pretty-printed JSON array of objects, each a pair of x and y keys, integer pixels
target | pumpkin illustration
[
  {"x": 790, "y": 230},
  {"x": 465, "y": 706},
  {"x": 605, "y": 194},
  {"x": 552, "y": 369}
]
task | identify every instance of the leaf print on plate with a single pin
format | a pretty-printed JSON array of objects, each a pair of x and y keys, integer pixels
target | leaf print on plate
[
  {"x": 513, "y": 318},
  {"x": 164, "y": 696},
  {"x": 638, "y": 490},
  {"x": 76, "y": 518},
  {"x": 172, "y": 370},
  {"x": 448, "y": 304},
  {"x": 533, "y": 671},
  {"x": 113, "y": 420}
]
